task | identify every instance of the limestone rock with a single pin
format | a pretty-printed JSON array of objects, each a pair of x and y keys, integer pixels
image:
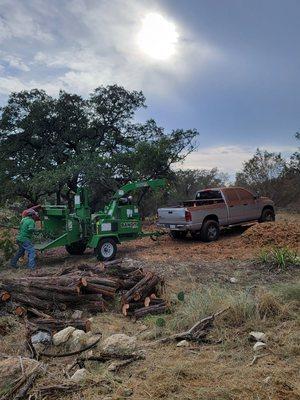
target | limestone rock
[
  {"x": 259, "y": 345},
  {"x": 183, "y": 343},
  {"x": 79, "y": 376},
  {"x": 63, "y": 335},
  {"x": 258, "y": 336},
  {"x": 119, "y": 343}
]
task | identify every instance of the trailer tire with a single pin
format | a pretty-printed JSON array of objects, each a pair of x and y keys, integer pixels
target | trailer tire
[
  {"x": 106, "y": 249},
  {"x": 267, "y": 215},
  {"x": 210, "y": 231},
  {"x": 76, "y": 248},
  {"x": 178, "y": 234}
]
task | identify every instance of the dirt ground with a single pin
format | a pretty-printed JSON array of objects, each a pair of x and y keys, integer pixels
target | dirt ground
[{"x": 220, "y": 369}]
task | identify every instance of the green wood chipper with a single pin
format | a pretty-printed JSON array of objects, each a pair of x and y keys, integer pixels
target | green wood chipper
[{"x": 78, "y": 229}]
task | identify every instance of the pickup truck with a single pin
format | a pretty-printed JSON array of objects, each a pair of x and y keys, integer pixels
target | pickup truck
[{"x": 215, "y": 208}]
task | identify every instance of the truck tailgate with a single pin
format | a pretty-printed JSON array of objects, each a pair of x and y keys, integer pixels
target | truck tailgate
[{"x": 171, "y": 215}]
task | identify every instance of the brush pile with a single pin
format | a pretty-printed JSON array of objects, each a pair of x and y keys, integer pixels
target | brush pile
[
  {"x": 90, "y": 288},
  {"x": 282, "y": 233}
]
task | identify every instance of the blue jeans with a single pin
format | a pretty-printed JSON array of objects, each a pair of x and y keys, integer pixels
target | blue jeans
[{"x": 27, "y": 247}]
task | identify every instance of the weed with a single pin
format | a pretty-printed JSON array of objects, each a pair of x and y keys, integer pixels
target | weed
[{"x": 279, "y": 258}]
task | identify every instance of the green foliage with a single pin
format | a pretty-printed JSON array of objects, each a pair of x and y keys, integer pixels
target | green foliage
[
  {"x": 180, "y": 296},
  {"x": 160, "y": 322},
  {"x": 271, "y": 175},
  {"x": 261, "y": 172},
  {"x": 186, "y": 183},
  {"x": 279, "y": 258},
  {"x": 7, "y": 245},
  {"x": 50, "y": 146},
  {"x": 288, "y": 291}
]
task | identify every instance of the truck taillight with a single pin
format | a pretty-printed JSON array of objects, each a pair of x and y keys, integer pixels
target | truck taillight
[{"x": 188, "y": 216}]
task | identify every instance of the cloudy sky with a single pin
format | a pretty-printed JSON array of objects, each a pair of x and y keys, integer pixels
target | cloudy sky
[{"x": 230, "y": 68}]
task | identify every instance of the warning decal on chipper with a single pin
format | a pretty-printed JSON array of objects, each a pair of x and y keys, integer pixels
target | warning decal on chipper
[{"x": 129, "y": 224}]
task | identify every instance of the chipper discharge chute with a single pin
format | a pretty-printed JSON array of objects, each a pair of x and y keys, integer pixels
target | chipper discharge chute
[{"x": 76, "y": 230}]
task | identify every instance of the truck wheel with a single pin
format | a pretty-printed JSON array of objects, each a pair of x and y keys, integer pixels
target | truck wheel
[
  {"x": 76, "y": 248},
  {"x": 178, "y": 234},
  {"x": 210, "y": 231},
  {"x": 106, "y": 249},
  {"x": 267, "y": 215}
]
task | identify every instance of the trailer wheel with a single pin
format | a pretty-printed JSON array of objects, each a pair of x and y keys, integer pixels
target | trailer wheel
[
  {"x": 106, "y": 249},
  {"x": 178, "y": 234},
  {"x": 267, "y": 215},
  {"x": 76, "y": 248},
  {"x": 210, "y": 231}
]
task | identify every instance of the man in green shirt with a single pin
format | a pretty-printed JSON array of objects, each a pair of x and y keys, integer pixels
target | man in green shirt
[{"x": 27, "y": 228}]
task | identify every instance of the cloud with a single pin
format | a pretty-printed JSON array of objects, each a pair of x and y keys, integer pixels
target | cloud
[
  {"x": 227, "y": 159},
  {"x": 17, "y": 21},
  {"x": 79, "y": 45},
  {"x": 14, "y": 61}
]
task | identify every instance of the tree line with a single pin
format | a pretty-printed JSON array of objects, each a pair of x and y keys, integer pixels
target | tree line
[{"x": 51, "y": 146}]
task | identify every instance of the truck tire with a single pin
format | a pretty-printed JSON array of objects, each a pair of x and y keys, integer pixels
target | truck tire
[
  {"x": 267, "y": 215},
  {"x": 76, "y": 248},
  {"x": 178, "y": 234},
  {"x": 210, "y": 231},
  {"x": 106, "y": 249}
]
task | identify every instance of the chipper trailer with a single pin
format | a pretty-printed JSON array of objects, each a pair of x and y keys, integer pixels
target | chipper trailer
[{"x": 78, "y": 229}]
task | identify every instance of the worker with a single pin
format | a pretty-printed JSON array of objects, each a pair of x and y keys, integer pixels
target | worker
[{"x": 27, "y": 228}]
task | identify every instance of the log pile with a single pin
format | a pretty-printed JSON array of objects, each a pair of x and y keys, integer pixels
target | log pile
[{"x": 85, "y": 287}]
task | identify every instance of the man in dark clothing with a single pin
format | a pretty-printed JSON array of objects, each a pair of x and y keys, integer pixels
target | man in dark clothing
[{"x": 24, "y": 240}]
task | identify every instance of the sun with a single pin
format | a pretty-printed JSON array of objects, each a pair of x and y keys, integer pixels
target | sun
[{"x": 157, "y": 37}]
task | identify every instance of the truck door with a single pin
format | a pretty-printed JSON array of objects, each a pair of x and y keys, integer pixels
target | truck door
[
  {"x": 233, "y": 202},
  {"x": 250, "y": 209}
]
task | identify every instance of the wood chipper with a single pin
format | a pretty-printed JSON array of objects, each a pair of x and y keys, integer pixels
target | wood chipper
[{"x": 76, "y": 230}]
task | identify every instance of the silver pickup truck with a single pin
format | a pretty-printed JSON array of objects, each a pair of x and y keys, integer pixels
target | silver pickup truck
[{"x": 215, "y": 208}]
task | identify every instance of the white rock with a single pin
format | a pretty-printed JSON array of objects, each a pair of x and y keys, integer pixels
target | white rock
[
  {"x": 183, "y": 343},
  {"x": 41, "y": 337},
  {"x": 259, "y": 345},
  {"x": 119, "y": 343},
  {"x": 77, "y": 340},
  {"x": 232, "y": 280},
  {"x": 79, "y": 376},
  {"x": 63, "y": 335},
  {"x": 258, "y": 336},
  {"x": 77, "y": 314}
]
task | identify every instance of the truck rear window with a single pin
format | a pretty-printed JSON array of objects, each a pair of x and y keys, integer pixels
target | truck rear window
[{"x": 208, "y": 195}]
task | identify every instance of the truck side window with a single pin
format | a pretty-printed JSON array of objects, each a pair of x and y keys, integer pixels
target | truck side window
[
  {"x": 245, "y": 194},
  {"x": 231, "y": 195}
]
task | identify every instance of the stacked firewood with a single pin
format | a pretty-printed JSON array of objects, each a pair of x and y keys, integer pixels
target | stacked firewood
[{"x": 85, "y": 287}]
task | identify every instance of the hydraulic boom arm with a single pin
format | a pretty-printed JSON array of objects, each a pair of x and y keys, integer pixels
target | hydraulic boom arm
[{"x": 152, "y": 183}]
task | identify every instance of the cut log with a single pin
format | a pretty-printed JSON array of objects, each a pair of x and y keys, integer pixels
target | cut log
[
  {"x": 125, "y": 308},
  {"x": 151, "y": 310},
  {"x": 4, "y": 295},
  {"x": 99, "y": 289},
  {"x": 55, "y": 325}
]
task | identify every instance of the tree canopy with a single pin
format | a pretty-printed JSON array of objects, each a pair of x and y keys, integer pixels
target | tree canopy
[{"x": 49, "y": 145}]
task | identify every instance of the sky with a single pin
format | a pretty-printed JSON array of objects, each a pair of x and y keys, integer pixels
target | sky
[{"x": 229, "y": 68}]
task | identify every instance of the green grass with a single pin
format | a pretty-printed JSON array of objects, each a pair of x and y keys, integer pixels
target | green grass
[
  {"x": 246, "y": 309},
  {"x": 279, "y": 258},
  {"x": 288, "y": 291}
]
